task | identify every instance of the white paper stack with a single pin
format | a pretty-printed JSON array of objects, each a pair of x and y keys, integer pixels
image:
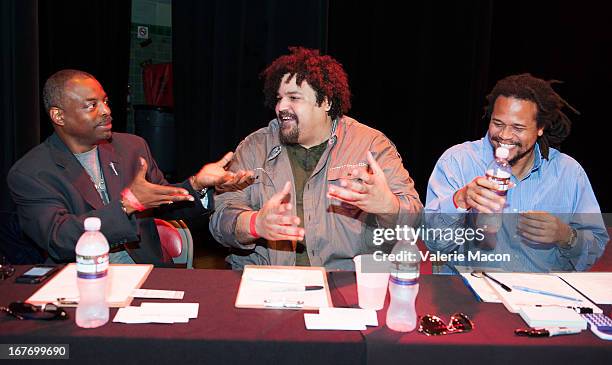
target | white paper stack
[
  {"x": 345, "y": 319},
  {"x": 552, "y": 317},
  {"x": 158, "y": 313}
]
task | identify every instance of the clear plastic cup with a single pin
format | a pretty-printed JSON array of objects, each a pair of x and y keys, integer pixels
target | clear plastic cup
[{"x": 371, "y": 287}]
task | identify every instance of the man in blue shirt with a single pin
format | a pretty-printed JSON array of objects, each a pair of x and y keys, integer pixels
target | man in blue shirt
[{"x": 551, "y": 220}]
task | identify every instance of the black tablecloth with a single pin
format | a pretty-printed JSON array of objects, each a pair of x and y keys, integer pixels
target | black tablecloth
[{"x": 223, "y": 334}]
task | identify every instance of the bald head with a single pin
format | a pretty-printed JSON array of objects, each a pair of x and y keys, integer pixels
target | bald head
[{"x": 54, "y": 89}]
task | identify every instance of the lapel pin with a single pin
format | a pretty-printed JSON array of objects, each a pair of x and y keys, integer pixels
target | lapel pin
[{"x": 112, "y": 165}]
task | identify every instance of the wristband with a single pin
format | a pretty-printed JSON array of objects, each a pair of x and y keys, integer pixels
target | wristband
[
  {"x": 123, "y": 206},
  {"x": 252, "y": 229},
  {"x": 457, "y": 205},
  {"x": 132, "y": 200}
]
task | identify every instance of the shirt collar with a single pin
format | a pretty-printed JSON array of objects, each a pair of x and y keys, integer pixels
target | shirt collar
[{"x": 276, "y": 150}]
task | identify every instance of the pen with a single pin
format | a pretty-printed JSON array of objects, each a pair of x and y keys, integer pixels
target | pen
[
  {"x": 543, "y": 292},
  {"x": 546, "y": 332},
  {"x": 504, "y": 286},
  {"x": 297, "y": 288},
  {"x": 581, "y": 310}
]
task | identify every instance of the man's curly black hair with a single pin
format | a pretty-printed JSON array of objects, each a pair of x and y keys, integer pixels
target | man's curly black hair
[
  {"x": 556, "y": 124},
  {"x": 323, "y": 73}
]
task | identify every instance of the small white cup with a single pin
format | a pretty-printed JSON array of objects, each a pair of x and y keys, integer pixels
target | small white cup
[{"x": 371, "y": 287}]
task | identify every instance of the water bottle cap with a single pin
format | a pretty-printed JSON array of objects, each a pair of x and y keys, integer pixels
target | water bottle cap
[
  {"x": 502, "y": 152},
  {"x": 92, "y": 224}
]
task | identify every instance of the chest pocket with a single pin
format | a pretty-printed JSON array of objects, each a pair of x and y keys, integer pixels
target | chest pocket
[
  {"x": 262, "y": 189},
  {"x": 336, "y": 206}
]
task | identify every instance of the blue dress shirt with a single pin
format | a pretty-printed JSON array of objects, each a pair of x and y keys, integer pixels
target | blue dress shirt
[{"x": 558, "y": 185}]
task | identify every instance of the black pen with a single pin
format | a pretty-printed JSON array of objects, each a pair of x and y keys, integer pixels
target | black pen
[
  {"x": 504, "y": 286},
  {"x": 297, "y": 288},
  {"x": 581, "y": 310}
]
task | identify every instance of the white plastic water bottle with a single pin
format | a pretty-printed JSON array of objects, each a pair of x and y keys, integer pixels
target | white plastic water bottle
[
  {"x": 92, "y": 269},
  {"x": 403, "y": 288},
  {"x": 499, "y": 171}
]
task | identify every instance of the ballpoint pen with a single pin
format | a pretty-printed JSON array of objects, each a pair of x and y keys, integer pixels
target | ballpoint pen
[
  {"x": 296, "y": 288},
  {"x": 543, "y": 292},
  {"x": 504, "y": 286}
]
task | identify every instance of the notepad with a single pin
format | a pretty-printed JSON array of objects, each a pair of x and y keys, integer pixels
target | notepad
[
  {"x": 552, "y": 317},
  {"x": 516, "y": 299}
]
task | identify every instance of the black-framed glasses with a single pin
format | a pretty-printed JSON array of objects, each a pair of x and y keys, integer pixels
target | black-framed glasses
[
  {"x": 45, "y": 312},
  {"x": 6, "y": 269},
  {"x": 434, "y": 326}
]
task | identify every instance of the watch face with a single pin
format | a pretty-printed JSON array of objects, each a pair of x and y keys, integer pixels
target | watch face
[{"x": 573, "y": 239}]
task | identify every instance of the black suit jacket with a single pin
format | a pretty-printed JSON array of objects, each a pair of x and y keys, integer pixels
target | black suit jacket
[{"x": 54, "y": 194}]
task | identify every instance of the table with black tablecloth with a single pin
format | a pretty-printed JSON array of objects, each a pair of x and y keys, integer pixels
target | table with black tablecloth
[{"x": 224, "y": 334}]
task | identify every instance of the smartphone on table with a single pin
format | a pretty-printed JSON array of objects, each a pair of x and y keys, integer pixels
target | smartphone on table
[{"x": 36, "y": 274}]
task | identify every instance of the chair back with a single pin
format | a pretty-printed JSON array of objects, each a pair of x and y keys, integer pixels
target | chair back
[
  {"x": 170, "y": 239},
  {"x": 186, "y": 256}
]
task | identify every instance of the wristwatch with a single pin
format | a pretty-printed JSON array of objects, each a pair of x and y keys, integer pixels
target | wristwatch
[
  {"x": 201, "y": 193},
  {"x": 573, "y": 241}
]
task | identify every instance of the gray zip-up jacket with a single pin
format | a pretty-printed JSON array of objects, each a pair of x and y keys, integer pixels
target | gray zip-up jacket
[{"x": 335, "y": 233}]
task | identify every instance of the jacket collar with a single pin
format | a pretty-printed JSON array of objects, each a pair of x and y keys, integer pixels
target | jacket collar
[{"x": 110, "y": 163}]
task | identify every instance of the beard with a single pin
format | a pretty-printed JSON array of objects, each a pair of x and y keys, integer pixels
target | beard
[
  {"x": 289, "y": 130},
  {"x": 519, "y": 155}
]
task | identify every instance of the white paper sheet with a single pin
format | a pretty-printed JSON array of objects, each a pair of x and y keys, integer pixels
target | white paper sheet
[
  {"x": 148, "y": 315},
  {"x": 187, "y": 309},
  {"x": 317, "y": 322},
  {"x": 546, "y": 282},
  {"x": 158, "y": 294},
  {"x": 482, "y": 287},
  {"x": 366, "y": 316},
  {"x": 595, "y": 285}
]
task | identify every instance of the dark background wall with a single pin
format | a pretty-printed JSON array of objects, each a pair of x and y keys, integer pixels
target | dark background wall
[{"x": 419, "y": 71}]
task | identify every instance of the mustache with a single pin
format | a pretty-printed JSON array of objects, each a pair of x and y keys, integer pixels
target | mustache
[
  {"x": 499, "y": 140},
  {"x": 106, "y": 120},
  {"x": 284, "y": 114}
]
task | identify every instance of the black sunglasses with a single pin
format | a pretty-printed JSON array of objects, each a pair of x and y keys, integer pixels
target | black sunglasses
[
  {"x": 45, "y": 312},
  {"x": 434, "y": 326}
]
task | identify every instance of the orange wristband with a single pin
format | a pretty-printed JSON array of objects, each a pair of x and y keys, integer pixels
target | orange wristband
[{"x": 252, "y": 229}]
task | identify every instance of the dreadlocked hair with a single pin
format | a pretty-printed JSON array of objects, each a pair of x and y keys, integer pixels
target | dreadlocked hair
[
  {"x": 549, "y": 116},
  {"x": 323, "y": 73}
]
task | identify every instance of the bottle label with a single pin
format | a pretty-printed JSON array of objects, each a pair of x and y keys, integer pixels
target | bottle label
[
  {"x": 396, "y": 279},
  {"x": 502, "y": 179},
  {"x": 92, "y": 267}
]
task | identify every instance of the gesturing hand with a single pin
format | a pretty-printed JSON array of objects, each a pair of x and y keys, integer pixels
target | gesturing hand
[
  {"x": 368, "y": 191},
  {"x": 543, "y": 227},
  {"x": 214, "y": 174},
  {"x": 152, "y": 195},
  {"x": 274, "y": 221}
]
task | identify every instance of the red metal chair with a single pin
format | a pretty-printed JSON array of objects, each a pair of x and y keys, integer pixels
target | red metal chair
[{"x": 170, "y": 238}]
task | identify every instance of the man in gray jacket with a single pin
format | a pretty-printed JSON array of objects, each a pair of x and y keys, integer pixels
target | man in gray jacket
[{"x": 323, "y": 181}]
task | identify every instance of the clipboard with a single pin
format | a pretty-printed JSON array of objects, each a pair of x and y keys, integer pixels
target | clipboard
[
  {"x": 516, "y": 299},
  {"x": 124, "y": 278},
  {"x": 260, "y": 285}
]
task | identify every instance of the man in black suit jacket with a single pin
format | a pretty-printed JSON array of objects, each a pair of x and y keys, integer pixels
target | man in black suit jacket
[{"x": 84, "y": 170}]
